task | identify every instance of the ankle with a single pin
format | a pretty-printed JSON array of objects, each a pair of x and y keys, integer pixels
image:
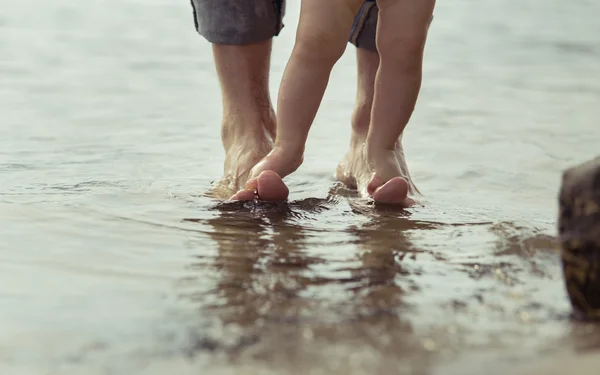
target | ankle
[
  {"x": 281, "y": 159},
  {"x": 361, "y": 118},
  {"x": 376, "y": 152},
  {"x": 293, "y": 152},
  {"x": 379, "y": 145},
  {"x": 238, "y": 127},
  {"x": 357, "y": 139}
]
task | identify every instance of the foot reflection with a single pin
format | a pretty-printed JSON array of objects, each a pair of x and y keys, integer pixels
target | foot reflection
[{"x": 305, "y": 302}]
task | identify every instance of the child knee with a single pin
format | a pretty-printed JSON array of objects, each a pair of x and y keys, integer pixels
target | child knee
[
  {"x": 406, "y": 51},
  {"x": 320, "y": 46}
]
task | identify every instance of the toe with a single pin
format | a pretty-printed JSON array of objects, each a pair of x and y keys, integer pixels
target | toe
[
  {"x": 271, "y": 187},
  {"x": 395, "y": 191},
  {"x": 247, "y": 193},
  {"x": 374, "y": 184},
  {"x": 243, "y": 195}
]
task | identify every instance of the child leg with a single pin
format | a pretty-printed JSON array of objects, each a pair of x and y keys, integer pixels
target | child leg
[
  {"x": 401, "y": 35},
  {"x": 321, "y": 39}
]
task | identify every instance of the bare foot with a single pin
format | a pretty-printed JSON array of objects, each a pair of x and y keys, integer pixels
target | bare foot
[
  {"x": 265, "y": 179},
  {"x": 244, "y": 148},
  {"x": 378, "y": 174},
  {"x": 267, "y": 186}
]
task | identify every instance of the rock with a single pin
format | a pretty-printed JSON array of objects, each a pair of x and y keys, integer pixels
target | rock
[{"x": 579, "y": 231}]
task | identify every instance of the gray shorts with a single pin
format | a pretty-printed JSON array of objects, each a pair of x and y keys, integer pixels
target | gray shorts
[{"x": 253, "y": 21}]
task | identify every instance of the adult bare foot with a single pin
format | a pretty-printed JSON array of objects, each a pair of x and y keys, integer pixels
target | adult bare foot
[
  {"x": 244, "y": 149},
  {"x": 242, "y": 152},
  {"x": 378, "y": 174},
  {"x": 248, "y": 127}
]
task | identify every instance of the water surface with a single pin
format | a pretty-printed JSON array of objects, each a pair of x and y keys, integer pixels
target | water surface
[{"x": 113, "y": 261}]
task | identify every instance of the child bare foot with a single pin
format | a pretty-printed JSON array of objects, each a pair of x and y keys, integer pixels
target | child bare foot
[
  {"x": 265, "y": 180},
  {"x": 377, "y": 174}
]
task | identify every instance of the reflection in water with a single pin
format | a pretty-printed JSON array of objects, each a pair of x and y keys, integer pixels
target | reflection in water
[
  {"x": 290, "y": 299},
  {"x": 262, "y": 267},
  {"x": 383, "y": 283},
  {"x": 289, "y": 302}
]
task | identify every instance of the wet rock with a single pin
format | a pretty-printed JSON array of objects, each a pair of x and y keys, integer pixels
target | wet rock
[{"x": 579, "y": 231}]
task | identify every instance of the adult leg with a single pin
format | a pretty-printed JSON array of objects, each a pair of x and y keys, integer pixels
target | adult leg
[{"x": 242, "y": 52}]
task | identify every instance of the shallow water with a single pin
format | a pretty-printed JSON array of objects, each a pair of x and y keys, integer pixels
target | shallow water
[{"x": 113, "y": 261}]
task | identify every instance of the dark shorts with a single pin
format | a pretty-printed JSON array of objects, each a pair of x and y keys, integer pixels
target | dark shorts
[{"x": 253, "y": 21}]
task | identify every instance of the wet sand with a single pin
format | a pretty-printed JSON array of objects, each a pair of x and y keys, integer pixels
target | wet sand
[{"x": 113, "y": 260}]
